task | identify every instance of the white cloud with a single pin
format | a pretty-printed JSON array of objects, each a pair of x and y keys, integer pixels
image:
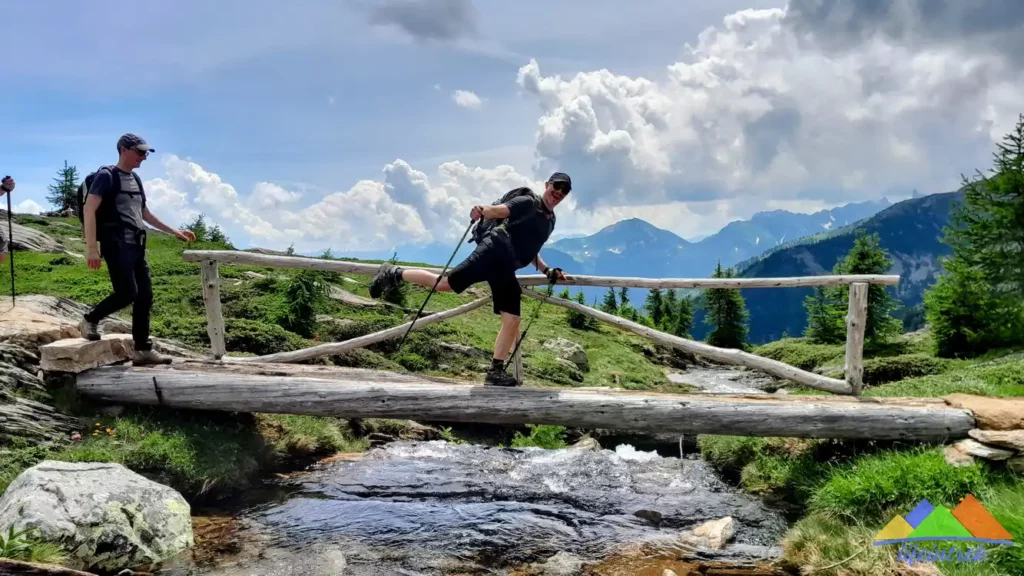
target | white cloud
[
  {"x": 467, "y": 99},
  {"x": 759, "y": 107},
  {"x": 27, "y": 207}
]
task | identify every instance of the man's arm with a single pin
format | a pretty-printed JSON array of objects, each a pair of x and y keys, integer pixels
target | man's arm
[{"x": 152, "y": 220}]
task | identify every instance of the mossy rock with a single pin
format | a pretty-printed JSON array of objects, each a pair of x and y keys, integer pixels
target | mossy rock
[
  {"x": 555, "y": 370},
  {"x": 892, "y": 369}
]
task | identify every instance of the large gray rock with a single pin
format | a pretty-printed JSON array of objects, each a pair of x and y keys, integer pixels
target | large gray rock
[
  {"x": 104, "y": 515},
  {"x": 25, "y": 238},
  {"x": 569, "y": 350}
]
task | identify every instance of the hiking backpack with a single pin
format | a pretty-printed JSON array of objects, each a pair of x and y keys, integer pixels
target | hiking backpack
[
  {"x": 83, "y": 192},
  {"x": 486, "y": 225}
]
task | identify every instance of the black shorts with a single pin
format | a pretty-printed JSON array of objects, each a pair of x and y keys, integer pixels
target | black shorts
[{"x": 491, "y": 261}]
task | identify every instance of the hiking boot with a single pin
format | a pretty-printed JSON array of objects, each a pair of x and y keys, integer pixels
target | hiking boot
[
  {"x": 147, "y": 357},
  {"x": 500, "y": 378},
  {"x": 384, "y": 280},
  {"x": 90, "y": 330}
]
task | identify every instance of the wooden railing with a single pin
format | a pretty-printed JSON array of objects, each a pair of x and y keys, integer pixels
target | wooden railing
[{"x": 855, "y": 318}]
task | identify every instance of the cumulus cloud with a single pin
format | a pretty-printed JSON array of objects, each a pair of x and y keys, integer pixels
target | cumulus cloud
[
  {"x": 427, "y": 19},
  {"x": 27, "y": 207},
  {"x": 809, "y": 102},
  {"x": 466, "y": 99}
]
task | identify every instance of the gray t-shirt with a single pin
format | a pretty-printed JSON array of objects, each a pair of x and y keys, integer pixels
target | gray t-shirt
[{"x": 124, "y": 209}]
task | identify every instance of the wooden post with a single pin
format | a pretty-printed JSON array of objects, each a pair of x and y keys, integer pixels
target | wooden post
[
  {"x": 856, "y": 320},
  {"x": 214, "y": 317}
]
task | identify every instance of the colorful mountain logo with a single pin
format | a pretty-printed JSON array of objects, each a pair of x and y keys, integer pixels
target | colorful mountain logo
[{"x": 968, "y": 522}]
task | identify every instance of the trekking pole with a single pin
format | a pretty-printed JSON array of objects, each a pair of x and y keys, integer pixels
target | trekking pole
[
  {"x": 536, "y": 312},
  {"x": 436, "y": 282},
  {"x": 10, "y": 242}
]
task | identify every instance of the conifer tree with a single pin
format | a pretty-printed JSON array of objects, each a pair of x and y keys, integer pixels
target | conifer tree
[
  {"x": 726, "y": 314},
  {"x": 64, "y": 190},
  {"x": 824, "y": 316},
  {"x": 610, "y": 305},
  {"x": 623, "y": 297},
  {"x": 655, "y": 307},
  {"x": 868, "y": 257},
  {"x": 671, "y": 309},
  {"x": 683, "y": 320},
  {"x": 987, "y": 230}
]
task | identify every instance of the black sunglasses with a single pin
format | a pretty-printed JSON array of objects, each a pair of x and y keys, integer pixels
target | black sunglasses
[{"x": 562, "y": 187}]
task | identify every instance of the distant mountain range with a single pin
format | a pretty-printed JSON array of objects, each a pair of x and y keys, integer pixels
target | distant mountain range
[
  {"x": 770, "y": 244},
  {"x": 911, "y": 232}
]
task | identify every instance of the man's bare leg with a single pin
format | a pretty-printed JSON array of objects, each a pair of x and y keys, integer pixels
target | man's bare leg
[
  {"x": 506, "y": 336},
  {"x": 426, "y": 279}
]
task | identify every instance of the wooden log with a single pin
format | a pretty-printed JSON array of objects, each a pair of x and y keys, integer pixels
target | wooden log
[
  {"x": 214, "y": 317},
  {"x": 272, "y": 261},
  {"x": 736, "y": 283},
  {"x": 856, "y": 321},
  {"x": 362, "y": 341},
  {"x": 727, "y": 356},
  {"x": 362, "y": 393}
]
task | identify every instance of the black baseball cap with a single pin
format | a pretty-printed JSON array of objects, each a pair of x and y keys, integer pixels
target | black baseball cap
[
  {"x": 561, "y": 177},
  {"x": 130, "y": 141}
]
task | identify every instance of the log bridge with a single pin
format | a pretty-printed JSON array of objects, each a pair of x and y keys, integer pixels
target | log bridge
[{"x": 284, "y": 383}]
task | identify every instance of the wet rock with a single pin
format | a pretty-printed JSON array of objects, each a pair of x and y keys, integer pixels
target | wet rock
[
  {"x": 561, "y": 564},
  {"x": 979, "y": 450},
  {"x": 714, "y": 534},
  {"x": 1011, "y": 439},
  {"x": 569, "y": 350},
  {"x": 587, "y": 443},
  {"x": 652, "y": 516},
  {"x": 104, "y": 515}
]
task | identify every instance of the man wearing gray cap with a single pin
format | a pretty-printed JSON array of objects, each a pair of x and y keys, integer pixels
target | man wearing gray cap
[
  {"x": 526, "y": 222},
  {"x": 115, "y": 215}
]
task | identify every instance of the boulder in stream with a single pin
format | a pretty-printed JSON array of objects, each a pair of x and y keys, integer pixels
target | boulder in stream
[{"x": 106, "y": 516}]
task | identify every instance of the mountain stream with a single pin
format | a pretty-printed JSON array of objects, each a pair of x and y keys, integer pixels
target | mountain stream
[{"x": 419, "y": 508}]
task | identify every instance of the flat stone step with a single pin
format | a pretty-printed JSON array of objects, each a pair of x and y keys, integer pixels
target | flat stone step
[{"x": 76, "y": 355}]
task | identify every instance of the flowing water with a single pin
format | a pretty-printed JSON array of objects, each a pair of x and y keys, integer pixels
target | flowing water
[{"x": 440, "y": 508}]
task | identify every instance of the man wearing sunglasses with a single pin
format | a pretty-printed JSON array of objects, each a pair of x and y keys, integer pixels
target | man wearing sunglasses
[
  {"x": 115, "y": 216},
  {"x": 527, "y": 223}
]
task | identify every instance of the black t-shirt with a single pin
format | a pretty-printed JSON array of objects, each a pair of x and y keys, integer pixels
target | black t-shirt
[
  {"x": 528, "y": 235},
  {"x": 124, "y": 209}
]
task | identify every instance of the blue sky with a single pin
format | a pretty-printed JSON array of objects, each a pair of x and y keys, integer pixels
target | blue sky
[{"x": 327, "y": 123}]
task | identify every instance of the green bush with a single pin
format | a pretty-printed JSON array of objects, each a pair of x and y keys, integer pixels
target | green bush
[
  {"x": 896, "y": 368},
  {"x": 801, "y": 353},
  {"x": 412, "y": 361},
  {"x": 363, "y": 358},
  {"x": 541, "y": 436},
  {"x": 259, "y": 338}
]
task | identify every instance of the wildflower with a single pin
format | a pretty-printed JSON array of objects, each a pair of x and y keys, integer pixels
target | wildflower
[{"x": 76, "y": 436}]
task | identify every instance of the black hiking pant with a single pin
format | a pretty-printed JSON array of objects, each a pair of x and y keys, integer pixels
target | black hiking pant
[{"x": 129, "y": 275}]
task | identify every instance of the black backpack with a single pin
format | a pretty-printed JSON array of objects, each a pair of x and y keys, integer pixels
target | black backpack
[
  {"x": 83, "y": 191},
  {"x": 486, "y": 225}
]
